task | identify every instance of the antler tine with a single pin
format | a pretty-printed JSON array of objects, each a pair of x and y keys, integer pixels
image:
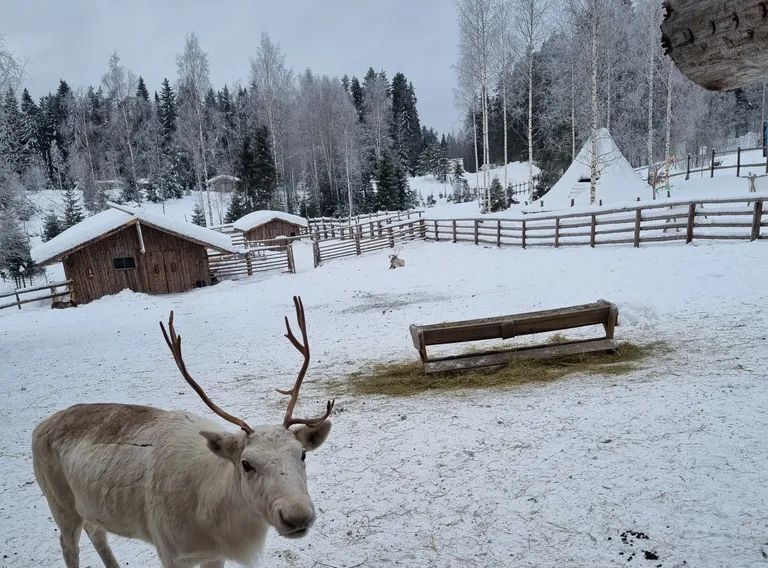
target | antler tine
[
  {"x": 303, "y": 348},
  {"x": 174, "y": 344}
]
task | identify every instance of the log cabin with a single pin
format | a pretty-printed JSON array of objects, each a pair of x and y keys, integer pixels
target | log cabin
[
  {"x": 267, "y": 225},
  {"x": 127, "y": 248}
]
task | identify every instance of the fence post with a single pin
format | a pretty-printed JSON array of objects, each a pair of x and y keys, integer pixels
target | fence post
[
  {"x": 371, "y": 227},
  {"x": 454, "y": 230},
  {"x": 291, "y": 263},
  {"x": 437, "y": 234},
  {"x": 17, "y": 298},
  {"x": 316, "y": 252},
  {"x": 422, "y": 228},
  {"x": 357, "y": 244},
  {"x": 524, "y": 234},
  {"x": 638, "y": 220},
  {"x": 248, "y": 265},
  {"x": 738, "y": 162},
  {"x": 691, "y": 221},
  {"x": 757, "y": 220},
  {"x": 390, "y": 237},
  {"x": 498, "y": 233},
  {"x": 592, "y": 231},
  {"x": 557, "y": 232},
  {"x": 688, "y": 169},
  {"x": 477, "y": 231},
  {"x": 712, "y": 165}
]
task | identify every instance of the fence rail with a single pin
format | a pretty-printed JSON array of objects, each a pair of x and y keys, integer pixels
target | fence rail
[
  {"x": 258, "y": 259},
  {"x": 707, "y": 163},
  {"x": 52, "y": 287},
  {"x": 719, "y": 218},
  {"x": 331, "y": 225},
  {"x": 359, "y": 242}
]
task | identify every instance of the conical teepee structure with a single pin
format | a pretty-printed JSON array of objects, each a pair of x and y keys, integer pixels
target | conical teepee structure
[{"x": 617, "y": 181}]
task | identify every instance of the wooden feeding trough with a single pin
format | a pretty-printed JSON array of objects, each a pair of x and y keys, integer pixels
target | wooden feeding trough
[{"x": 505, "y": 327}]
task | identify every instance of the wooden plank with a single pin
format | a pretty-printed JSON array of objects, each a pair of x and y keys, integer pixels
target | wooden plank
[
  {"x": 500, "y": 358},
  {"x": 557, "y": 232},
  {"x": 691, "y": 223},
  {"x": 638, "y": 220}
]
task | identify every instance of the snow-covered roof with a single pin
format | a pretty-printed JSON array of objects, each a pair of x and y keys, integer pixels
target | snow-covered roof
[
  {"x": 618, "y": 182},
  {"x": 257, "y": 218},
  {"x": 223, "y": 177},
  {"x": 112, "y": 220}
]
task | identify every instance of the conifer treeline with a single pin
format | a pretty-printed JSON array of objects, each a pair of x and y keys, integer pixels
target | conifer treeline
[{"x": 306, "y": 143}]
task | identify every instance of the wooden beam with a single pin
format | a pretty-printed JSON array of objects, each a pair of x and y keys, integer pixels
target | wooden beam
[{"x": 721, "y": 45}]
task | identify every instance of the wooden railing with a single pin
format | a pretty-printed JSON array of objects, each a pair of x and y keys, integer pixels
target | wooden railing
[
  {"x": 718, "y": 218},
  {"x": 707, "y": 164},
  {"x": 52, "y": 287},
  {"x": 360, "y": 241},
  {"x": 331, "y": 225},
  {"x": 251, "y": 261}
]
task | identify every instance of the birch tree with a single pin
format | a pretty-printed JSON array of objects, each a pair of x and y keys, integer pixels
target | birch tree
[
  {"x": 193, "y": 84},
  {"x": 530, "y": 23}
]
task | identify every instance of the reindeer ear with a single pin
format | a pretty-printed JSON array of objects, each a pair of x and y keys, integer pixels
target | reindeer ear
[
  {"x": 226, "y": 445},
  {"x": 312, "y": 438}
]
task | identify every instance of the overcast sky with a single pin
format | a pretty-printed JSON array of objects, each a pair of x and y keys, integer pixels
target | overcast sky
[{"x": 73, "y": 39}]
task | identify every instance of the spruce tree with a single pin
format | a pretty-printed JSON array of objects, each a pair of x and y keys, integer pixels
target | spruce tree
[
  {"x": 168, "y": 110},
  {"x": 73, "y": 213},
  {"x": 498, "y": 196},
  {"x": 141, "y": 91},
  {"x": 357, "y": 97},
  {"x": 237, "y": 206},
  {"x": 198, "y": 215},
  {"x": 263, "y": 171},
  {"x": 51, "y": 226}
]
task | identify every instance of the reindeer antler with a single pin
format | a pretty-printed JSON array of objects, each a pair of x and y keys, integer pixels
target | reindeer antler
[
  {"x": 303, "y": 348},
  {"x": 174, "y": 344}
]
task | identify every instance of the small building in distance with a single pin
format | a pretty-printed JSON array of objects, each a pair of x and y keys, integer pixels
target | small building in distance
[
  {"x": 266, "y": 225},
  {"x": 131, "y": 248},
  {"x": 223, "y": 183}
]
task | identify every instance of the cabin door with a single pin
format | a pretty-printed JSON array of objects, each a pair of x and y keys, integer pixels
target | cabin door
[
  {"x": 157, "y": 282},
  {"x": 177, "y": 280}
]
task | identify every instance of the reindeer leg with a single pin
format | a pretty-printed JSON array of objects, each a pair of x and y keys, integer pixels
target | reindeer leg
[
  {"x": 69, "y": 539},
  {"x": 99, "y": 540}
]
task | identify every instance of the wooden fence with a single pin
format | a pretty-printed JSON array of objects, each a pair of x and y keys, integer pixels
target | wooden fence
[
  {"x": 252, "y": 260},
  {"x": 331, "y": 225},
  {"x": 708, "y": 164},
  {"x": 718, "y": 218},
  {"x": 52, "y": 287},
  {"x": 362, "y": 241}
]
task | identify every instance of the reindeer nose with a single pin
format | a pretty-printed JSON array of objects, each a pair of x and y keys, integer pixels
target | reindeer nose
[{"x": 295, "y": 519}]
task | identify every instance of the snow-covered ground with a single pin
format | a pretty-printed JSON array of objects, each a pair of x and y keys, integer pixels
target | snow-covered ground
[{"x": 538, "y": 475}]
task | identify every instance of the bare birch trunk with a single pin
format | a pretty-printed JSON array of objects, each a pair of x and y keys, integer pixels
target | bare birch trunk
[
  {"x": 668, "y": 134},
  {"x": 504, "y": 110},
  {"x": 530, "y": 121},
  {"x": 593, "y": 162},
  {"x": 573, "y": 112},
  {"x": 477, "y": 160},
  {"x": 651, "y": 69}
]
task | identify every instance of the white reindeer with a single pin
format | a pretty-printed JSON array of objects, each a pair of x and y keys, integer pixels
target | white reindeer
[
  {"x": 395, "y": 261},
  {"x": 200, "y": 495}
]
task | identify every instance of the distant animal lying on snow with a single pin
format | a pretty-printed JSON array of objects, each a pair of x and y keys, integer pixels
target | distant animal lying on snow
[
  {"x": 395, "y": 261},
  {"x": 200, "y": 495}
]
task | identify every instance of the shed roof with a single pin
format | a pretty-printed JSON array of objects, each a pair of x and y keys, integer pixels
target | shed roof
[
  {"x": 112, "y": 220},
  {"x": 258, "y": 218}
]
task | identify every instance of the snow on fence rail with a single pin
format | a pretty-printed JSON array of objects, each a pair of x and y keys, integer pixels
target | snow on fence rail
[
  {"x": 259, "y": 258},
  {"x": 375, "y": 236},
  {"x": 718, "y": 218},
  {"x": 52, "y": 287}
]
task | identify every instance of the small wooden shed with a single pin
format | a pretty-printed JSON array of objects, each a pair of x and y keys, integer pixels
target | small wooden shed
[
  {"x": 223, "y": 183},
  {"x": 131, "y": 248},
  {"x": 266, "y": 225}
]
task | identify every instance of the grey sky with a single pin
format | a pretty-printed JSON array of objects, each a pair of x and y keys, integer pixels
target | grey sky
[{"x": 73, "y": 39}]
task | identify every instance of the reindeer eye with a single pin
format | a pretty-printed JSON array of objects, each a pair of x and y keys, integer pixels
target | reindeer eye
[
  {"x": 247, "y": 466},
  {"x": 303, "y": 455}
]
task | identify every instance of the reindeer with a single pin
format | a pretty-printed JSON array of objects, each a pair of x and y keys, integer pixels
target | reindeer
[
  {"x": 395, "y": 261},
  {"x": 199, "y": 494}
]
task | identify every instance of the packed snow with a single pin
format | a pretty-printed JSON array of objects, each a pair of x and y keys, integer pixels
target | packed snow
[
  {"x": 110, "y": 220},
  {"x": 257, "y": 218},
  {"x": 569, "y": 473}
]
